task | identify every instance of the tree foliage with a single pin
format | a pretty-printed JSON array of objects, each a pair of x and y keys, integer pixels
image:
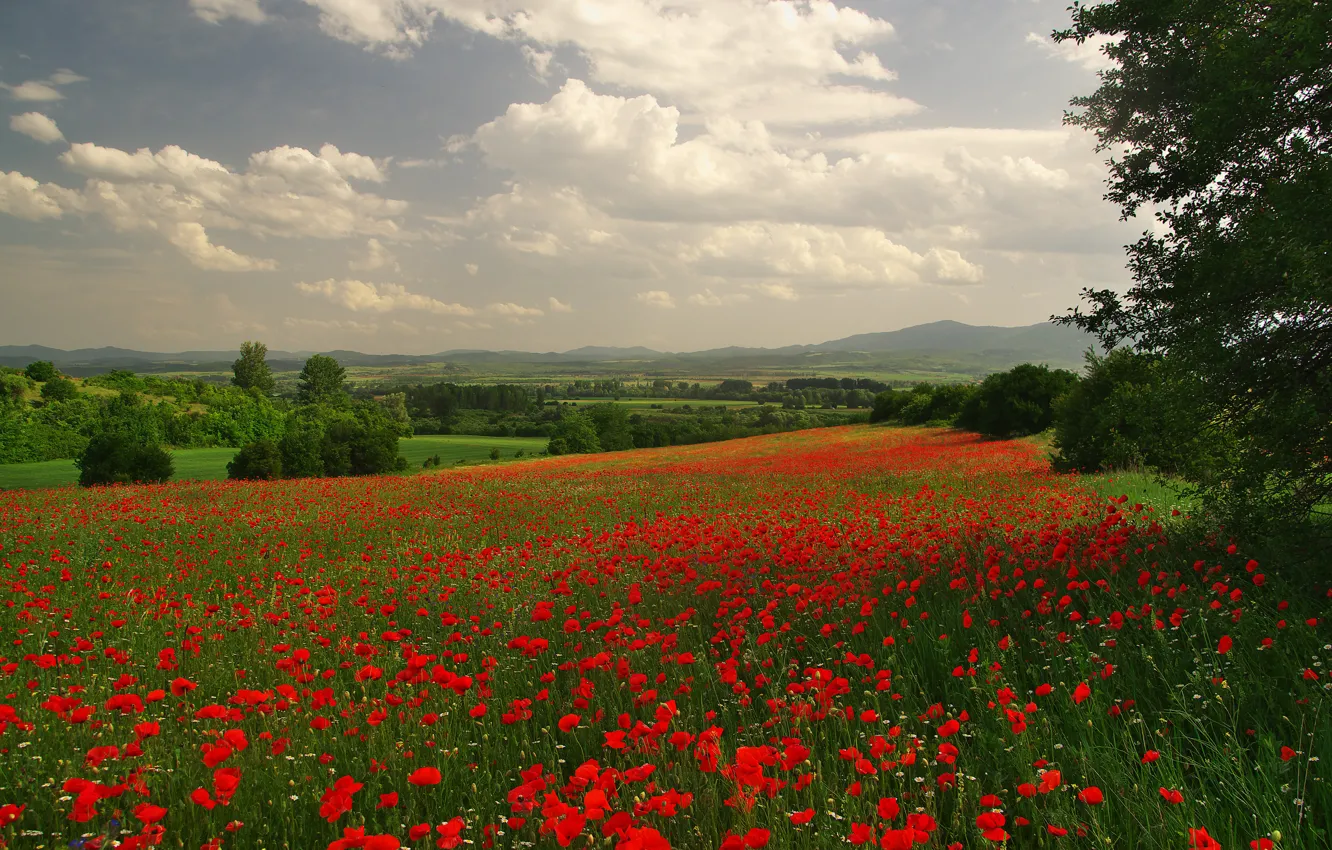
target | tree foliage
[
  {"x": 1018, "y": 402},
  {"x": 250, "y": 371},
  {"x": 116, "y": 457},
  {"x": 1219, "y": 114},
  {"x": 321, "y": 380},
  {"x": 574, "y": 434},
  {"x": 260, "y": 460},
  {"x": 41, "y": 370},
  {"x": 1131, "y": 412},
  {"x": 59, "y": 389}
]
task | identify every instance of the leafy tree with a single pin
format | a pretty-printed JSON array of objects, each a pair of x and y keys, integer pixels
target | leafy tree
[
  {"x": 321, "y": 380},
  {"x": 1017, "y": 402},
  {"x": 260, "y": 460},
  {"x": 1132, "y": 412},
  {"x": 1219, "y": 117},
  {"x": 574, "y": 434},
  {"x": 251, "y": 371},
  {"x": 59, "y": 389},
  {"x": 302, "y": 443},
  {"x": 886, "y": 405},
  {"x": 14, "y": 387},
  {"x": 115, "y": 457},
  {"x": 611, "y": 422},
  {"x": 395, "y": 407},
  {"x": 494, "y": 454},
  {"x": 41, "y": 370}
]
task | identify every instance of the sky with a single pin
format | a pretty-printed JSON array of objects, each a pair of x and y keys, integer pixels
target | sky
[{"x": 414, "y": 176}]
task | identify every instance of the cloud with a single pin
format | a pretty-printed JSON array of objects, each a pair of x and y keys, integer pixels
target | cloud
[
  {"x": 23, "y": 197},
  {"x": 558, "y": 306},
  {"x": 216, "y": 11},
  {"x": 472, "y": 268},
  {"x": 64, "y": 77},
  {"x": 1089, "y": 55},
  {"x": 508, "y": 308},
  {"x": 192, "y": 240},
  {"x": 707, "y": 298},
  {"x": 376, "y": 256},
  {"x": 786, "y": 63},
  {"x": 36, "y": 126},
  {"x": 44, "y": 90},
  {"x": 656, "y": 298},
  {"x": 285, "y": 193},
  {"x": 34, "y": 90},
  {"x": 855, "y": 256},
  {"x": 359, "y": 296}
]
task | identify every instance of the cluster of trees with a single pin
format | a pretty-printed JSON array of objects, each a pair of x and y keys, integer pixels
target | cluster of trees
[
  {"x": 124, "y": 437},
  {"x": 1218, "y": 118},
  {"x": 611, "y": 427}
]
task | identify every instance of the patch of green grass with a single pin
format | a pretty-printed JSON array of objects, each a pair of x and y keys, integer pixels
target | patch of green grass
[
  {"x": 452, "y": 448},
  {"x": 211, "y": 464},
  {"x": 191, "y": 465},
  {"x": 1162, "y": 493}
]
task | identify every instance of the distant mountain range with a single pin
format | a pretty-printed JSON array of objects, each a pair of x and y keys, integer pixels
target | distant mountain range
[{"x": 970, "y": 347}]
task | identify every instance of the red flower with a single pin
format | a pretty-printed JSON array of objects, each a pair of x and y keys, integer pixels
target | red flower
[
  {"x": 424, "y": 776},
  {"x": 569, "y": 722},
  {"x": 1091, "y": 795},
  {"x": 801, "y": 818}
]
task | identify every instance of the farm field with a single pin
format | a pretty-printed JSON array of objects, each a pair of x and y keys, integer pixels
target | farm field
[
  {"x": 211, "y": 464},
  {"x": 850, "y": 636}
]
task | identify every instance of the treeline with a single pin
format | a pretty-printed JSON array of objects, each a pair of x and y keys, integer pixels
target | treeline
[
  {"x": 610, "y": 427},
  {"x": 1128, "y": 411},
  {"x": 815, "y": 392},
  {"x": 185, "y": 414}
]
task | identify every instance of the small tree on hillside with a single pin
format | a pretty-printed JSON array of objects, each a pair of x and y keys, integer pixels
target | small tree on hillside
[
  {"x": 251, "y": 371},
  {"x": 59, "y": 389},
  {"x": 41, "y": 370},
  {"x": 321, "y": 380}
]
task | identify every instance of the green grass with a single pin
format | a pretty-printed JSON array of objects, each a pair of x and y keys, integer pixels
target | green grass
[
  {"x": 452, "y": 448},
  {"x": 211, "y": 464}
]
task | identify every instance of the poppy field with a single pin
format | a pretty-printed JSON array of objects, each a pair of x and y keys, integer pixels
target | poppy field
[{"x": 854, "y": 636}]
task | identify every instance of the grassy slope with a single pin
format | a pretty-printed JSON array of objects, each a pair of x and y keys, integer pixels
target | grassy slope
[{"x": 211, "y": 464}]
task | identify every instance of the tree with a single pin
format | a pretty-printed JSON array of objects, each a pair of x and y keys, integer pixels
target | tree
[
  {"x": 260, "y": 460},
  {"x": 59, "y": 389},
  {"x": 1132, "y": 412},
  {"x": 41, "y": 370},
  {"x": 1017, "y": 402},
  {"x": 1219, "y": 114},
  {"x": 574, "y": 434},
  {"x": 321, "y": 380},
  {"x": 395, "y": 407},
  {"x": 117, "y": 458},
  {"x": 250, "y": 370}
]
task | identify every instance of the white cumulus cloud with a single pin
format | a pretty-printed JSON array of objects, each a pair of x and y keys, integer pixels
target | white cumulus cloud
[
  {"x": 360, "y": 296},
  {"x": 36, "y": 126}
]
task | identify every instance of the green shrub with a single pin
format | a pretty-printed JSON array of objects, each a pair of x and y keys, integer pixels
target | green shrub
[
  {"x": 260, "y": 460},
  {"x": 1018, "y": 402},
  {"x": 41, "y": 370},
  {"x": 116, "y": 458},
  {"x": 1131, "y": 412},
  {"x": 59, "y": 389}
]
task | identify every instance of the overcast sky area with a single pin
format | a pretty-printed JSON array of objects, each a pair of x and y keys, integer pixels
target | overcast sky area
[{"x": 414, "y": 176}]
